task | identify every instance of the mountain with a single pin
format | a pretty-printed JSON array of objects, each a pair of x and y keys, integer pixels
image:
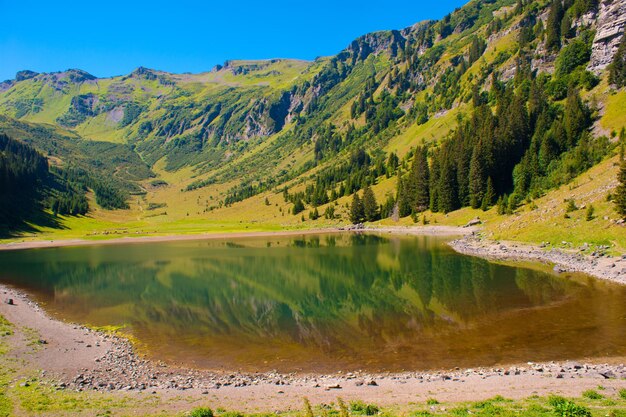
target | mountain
[{"x": 501, "y": 101}]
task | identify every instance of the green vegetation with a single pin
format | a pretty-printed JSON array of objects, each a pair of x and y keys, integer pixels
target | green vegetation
[
  {"x": 451, "y": 116},
  {"x": 620, "y": 193},
  {"x": 202, "y": 412},
  {"x": 592, "y": 395},
  {"x": 617, "y": 70}
]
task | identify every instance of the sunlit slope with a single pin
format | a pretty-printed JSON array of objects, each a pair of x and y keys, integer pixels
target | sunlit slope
[{"x": 223, "y": 146}]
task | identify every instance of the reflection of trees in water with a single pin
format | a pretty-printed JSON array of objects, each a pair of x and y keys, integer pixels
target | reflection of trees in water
[{"x": 321, "y": 290}]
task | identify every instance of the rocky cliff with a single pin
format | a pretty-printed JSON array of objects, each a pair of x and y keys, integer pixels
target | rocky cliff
[{"x": 611, "y": 21}]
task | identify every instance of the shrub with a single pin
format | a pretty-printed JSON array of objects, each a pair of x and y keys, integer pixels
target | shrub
[
  {"x": 308, "y": 411},
  {"x": 360, "y": 407},
  {"x": 565, "y": 408},
  {"x": 622, "y": 393},
  {"x": 202, "y": 412},
  {"x": 574, "y": 55},
  {"x": 343, "y": 409},
  {"x": 571, "y": 206},
  {"x": 592, "y": 395},
  {"x": 432, "y": 401}
]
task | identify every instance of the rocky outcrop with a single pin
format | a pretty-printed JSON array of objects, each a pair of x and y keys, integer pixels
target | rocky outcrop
[
  {"x": 609, "y": 31},
  {"x": 375, "y": 43}
]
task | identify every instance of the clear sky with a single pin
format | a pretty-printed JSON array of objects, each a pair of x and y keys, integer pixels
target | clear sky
[{"x": 113, "y": 37}]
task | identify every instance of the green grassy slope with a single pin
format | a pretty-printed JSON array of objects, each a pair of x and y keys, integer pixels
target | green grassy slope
[{"x": 215, "y": 150}]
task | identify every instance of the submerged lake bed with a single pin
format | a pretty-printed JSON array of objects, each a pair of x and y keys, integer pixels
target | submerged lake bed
[{"x": 324, "y": 303}]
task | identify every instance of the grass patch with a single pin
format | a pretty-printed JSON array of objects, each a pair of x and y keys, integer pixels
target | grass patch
[{"x": 592, "y": 395}]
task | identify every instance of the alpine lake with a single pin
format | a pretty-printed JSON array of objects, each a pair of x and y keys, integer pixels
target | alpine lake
[{"x": 324, "y": 303}]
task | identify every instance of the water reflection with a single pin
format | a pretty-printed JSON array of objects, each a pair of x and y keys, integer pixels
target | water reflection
[{"x": 324, "y": 302}]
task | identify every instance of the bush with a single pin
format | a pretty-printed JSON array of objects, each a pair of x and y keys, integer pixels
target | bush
[
  {"x": 202, "y": 412},
  {"x": 622, "y": 393},
  {"x": 572, "y": 56},
  {"x": 592, "y": 395},
  {"x": 565, "y": 408},
  {"x": 571, "y": 206},
  {"x": 432, "y": 401},
  {"x": 360, "y": 407}
]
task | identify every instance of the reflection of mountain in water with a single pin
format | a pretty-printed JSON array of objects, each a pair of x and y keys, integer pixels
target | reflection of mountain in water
[{"x": 347, "y": 297}]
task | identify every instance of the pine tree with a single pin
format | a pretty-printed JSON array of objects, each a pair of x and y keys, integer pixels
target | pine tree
[
  {"x": 421, "y": 173},
  {"x": 477, "y": 176},
  {"x": 298, "y": 207},
  {"x": 620, "y": 195},
  {"x": 503, "y": 203},
  {"x": 489, "y": 197},
  {"x": 357, "y": 213},
  {"x": 434, "y": 185},
  {"x": 403, "y": 198},
  {"x": 553, "y": 29},
  {"x": 448, "y": 190},
  {"x": 576, "y": 116},
  {"x": 370, "y": 206},
  {"x": 617, "y": 70}
]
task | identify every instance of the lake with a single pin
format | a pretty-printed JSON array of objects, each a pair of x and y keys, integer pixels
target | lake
[{"x": 324, "y": 303}]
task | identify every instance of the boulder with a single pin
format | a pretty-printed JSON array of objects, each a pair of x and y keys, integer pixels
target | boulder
[{"x": 474, "y": 222}]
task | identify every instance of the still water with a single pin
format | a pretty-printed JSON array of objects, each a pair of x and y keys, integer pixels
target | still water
[{"x": 324, "y": 303}]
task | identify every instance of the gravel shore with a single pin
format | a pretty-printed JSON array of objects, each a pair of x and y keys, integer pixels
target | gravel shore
[{"x": 587, "y": 259}]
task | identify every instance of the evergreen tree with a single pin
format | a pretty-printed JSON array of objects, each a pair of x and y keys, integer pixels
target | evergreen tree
[
  {"x": 577, "y": 116},
  {"x": 421, "y": 174},
  {"x": 298, "y": 207},
  {"x": 477, "y": 176},
  {"x": 448, "y": 190},
  {"x": 477, "y": 47},
  {"x": 357, "y": 211},
  {"x": 553, "y": 26},
  {"x": 617, "y": 70},
  {"x": 403, "y": 197},
  {"x": 489, "y": 197},
  {"x": 434, "y": 185},
  {"x": 370, "y": 206}
]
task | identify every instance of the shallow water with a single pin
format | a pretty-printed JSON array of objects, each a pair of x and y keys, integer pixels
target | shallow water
[{"x": 324, "y": 303}]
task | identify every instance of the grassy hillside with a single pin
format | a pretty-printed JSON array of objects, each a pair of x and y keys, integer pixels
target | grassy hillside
[{"x": 240, "y": 146}]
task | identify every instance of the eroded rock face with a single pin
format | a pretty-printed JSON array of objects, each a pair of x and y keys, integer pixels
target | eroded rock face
[{"x": 609, "y": 31}]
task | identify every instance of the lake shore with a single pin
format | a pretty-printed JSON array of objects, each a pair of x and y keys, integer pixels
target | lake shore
[
  {"x": 591, "y": 261},
  {"x": 73, "y": 357},
  {"x": 425, "y": 230}
]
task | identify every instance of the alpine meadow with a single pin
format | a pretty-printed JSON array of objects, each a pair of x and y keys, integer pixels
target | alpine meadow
[{"x": 430, "y": 222}]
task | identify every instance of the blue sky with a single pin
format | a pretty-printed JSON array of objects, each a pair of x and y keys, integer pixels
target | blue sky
[{"x": 114, "y": 37}]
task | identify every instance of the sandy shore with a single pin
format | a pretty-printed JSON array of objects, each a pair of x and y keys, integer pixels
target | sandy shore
[
  {"x": 77, "y": 358},
  {"x": 591, "y": 261}
]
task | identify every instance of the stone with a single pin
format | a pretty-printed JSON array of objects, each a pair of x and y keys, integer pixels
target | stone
[
  {"x": 474, "y": 222},
  {"x": 611, "y": 22},
  {"x": 9, "y": 301},
  {"x": 608, "y": 374}
]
